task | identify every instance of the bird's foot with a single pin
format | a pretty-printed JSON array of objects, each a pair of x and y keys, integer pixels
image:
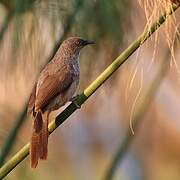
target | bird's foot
[{"x": 73, "y": 100}]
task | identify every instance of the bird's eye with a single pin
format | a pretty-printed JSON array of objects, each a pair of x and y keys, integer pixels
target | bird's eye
[{"x": 80, "y": 43}]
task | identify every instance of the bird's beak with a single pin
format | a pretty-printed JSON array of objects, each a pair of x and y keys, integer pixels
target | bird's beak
[{"x": 86, "y": 42}]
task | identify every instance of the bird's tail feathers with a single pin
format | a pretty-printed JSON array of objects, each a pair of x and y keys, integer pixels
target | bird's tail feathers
[
  {"x": 44, "y": 141},
  {"x": 39, "y": 140}
]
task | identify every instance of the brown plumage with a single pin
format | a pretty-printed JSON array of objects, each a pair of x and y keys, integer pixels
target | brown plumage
[{"x": 56, "y": 85}]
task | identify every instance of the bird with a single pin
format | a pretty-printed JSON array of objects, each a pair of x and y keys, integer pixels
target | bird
[{"x": 56, "y": 85}]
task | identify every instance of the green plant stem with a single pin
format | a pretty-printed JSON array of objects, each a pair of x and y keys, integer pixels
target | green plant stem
[
  {"x": 10, "y": 139},
  {"x": 5, "y": 23},
  {"x": 23, "y": 153},
  {"x": 141, "y": 109}
]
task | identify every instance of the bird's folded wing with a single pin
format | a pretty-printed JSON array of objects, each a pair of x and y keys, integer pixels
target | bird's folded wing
[
  {"x": 31, "y": 100},
  {"x": 51, "y": 86}
]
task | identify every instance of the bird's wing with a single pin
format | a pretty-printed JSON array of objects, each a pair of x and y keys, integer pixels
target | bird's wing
[
  {"x": 51, "y": 86},
  {"x": 31, "y": 100}
]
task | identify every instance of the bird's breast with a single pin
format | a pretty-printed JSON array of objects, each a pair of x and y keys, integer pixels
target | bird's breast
[{"x": 75, "y": 68}]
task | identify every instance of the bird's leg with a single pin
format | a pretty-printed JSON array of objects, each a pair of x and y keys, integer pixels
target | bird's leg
[{"x": 73, "y": 100}]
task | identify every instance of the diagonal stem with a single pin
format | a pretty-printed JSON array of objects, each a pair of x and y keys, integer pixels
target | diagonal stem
[
  {"x": 11, "y": 137},
  {"x": 23, "y": 153},
  {"x": 6, "y": 23}
]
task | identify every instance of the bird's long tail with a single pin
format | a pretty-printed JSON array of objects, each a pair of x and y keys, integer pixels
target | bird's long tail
[{"x": 39, "y": 140}]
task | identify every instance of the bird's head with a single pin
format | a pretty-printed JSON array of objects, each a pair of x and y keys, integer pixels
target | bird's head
[{"x": 75, "y": 44}]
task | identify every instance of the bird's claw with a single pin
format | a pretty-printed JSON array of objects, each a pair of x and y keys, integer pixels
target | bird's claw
[{"x": 73, "y": 100}]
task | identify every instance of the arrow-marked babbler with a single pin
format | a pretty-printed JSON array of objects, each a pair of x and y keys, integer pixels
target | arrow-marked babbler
[{"x": 56, "y": 85}]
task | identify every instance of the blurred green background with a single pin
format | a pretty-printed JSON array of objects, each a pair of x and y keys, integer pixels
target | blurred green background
[{"x": 84, "y": 146}]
